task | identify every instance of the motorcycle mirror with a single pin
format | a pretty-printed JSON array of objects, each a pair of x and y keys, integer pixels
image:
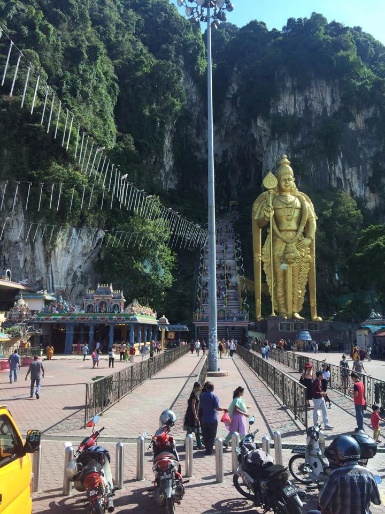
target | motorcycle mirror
[
  {"x": 251, "y": 420},
  {"x": 377, "y": 479}
]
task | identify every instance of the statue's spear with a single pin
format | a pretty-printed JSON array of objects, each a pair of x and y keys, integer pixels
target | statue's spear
[{"x": 270, "y": 183}]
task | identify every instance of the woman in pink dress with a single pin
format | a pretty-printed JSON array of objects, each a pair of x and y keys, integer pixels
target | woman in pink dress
[{"x": 239, "y": 416}]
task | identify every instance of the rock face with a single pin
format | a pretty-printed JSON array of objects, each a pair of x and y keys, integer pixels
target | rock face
[
  {"x": 63, "y": 263},
  {"x": 300, "y": 124}
]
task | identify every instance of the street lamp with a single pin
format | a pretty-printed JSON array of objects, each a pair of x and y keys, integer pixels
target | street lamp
[
  {"x": 162, "y": 322},
  {"x": 205, "y": 11}
]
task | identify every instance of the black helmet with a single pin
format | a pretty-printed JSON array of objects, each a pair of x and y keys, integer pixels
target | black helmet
[{"x": 343, "y": 449}]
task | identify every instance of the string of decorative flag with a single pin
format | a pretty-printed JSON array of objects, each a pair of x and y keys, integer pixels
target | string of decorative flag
[
  {"x": 32, "y": 231},
  {"x": 106, "y": 184}
]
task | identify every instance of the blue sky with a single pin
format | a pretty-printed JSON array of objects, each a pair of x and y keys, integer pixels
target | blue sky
[{"x": 275, "y": 13}]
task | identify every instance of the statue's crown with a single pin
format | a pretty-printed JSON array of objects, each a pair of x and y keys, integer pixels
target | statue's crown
[{"x": 284, "y": 167}]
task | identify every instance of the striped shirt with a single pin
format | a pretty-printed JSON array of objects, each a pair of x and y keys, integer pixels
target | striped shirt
[{"x": 349, "y": 490}]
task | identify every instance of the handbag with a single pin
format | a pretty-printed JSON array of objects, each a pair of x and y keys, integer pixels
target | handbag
[
  {"x": 301, "y": 380},
  {"x": 226, "y": 418}
]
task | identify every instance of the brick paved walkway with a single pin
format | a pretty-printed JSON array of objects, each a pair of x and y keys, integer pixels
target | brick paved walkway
[{"x": 58, "y": 413}]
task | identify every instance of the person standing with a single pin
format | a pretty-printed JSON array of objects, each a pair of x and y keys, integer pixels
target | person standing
[
  {"x": 191, "y": 420},
  {"x": 239, "y": 416},
  {"x": 132, "y": 353},
  {"x": 358, "y": 366},
  {"x": 14, "y": 366},
  {"x": 209, "y": 421},
  {"x": 85, "y": 351},
  {"x": 358, "y": 392},
  {"x": 49, "y": 351},
  {"x": 36, "y": 370},
  {"x": 220, "y": 349},
  {"x": 375, "y": 419},
  {"x": 307, "y": 380},
  {"x": 369, "y": 353},
  {"x": 197, "y": 347},
  {"x": 319, "y": 402},
  {"x": 122, "y": 350},
  {"x": 344, "y": 373},
  {"x": 325, "y": 382},
  {"x": 232, "y": 348},
  {"x": 111, "y": 357},
  {"x": 144, "y": 351},
  {"x": 152, "y": 349}
]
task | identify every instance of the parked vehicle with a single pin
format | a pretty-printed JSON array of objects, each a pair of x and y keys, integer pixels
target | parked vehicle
[
  {"x": 313, "y": 463},
  {"x": 168, "y": 483},
  {"x": 15, "y": 465},
  {"x": 267, "y": 484},
  {"x": 90, "y": 471}
]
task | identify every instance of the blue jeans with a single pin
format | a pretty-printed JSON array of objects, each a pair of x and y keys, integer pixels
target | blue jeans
[
  {"x": 360, "y": 416},
  {"x": 33, "y": 382},
  {"x": 13, "y": 374}
]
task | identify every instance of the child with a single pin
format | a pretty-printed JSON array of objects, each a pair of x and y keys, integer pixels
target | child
[{"x": 375, "y": 420}]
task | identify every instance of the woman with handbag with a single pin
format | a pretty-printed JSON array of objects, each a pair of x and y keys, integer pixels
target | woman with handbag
[{"x": 238, "y": 415}]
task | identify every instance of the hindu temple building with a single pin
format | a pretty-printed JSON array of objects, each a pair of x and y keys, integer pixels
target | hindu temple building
[{"x": 101, "y": 317}]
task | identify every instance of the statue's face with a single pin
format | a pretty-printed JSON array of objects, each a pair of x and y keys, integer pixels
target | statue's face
[{"x": 286, "y": 182}]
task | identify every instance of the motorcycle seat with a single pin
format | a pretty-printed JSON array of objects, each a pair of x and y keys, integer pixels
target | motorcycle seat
[{"x": 164, "y": 455}]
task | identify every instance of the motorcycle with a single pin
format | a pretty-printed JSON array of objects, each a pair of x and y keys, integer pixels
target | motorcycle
[
  {"x": 168, "y": 483},
  {"x": 90, "y": 471},
  {"x": 267, "y": 484},
  {"x": 313, "y": 463}
]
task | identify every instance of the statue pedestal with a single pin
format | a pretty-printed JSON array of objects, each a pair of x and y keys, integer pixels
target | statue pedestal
[{"x": 279, "y": 328}]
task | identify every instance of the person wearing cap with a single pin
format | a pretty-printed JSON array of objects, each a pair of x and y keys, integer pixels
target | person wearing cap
[
  {"x": 307, "y": 380},
  {"x": 319, "y": 401}
]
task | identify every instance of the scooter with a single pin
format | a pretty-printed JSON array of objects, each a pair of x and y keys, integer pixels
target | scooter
[
  {"x": 313, "y": 463},
  {"x": 258, "y": 479},
  {"x": 90, "y": 471},
  {"x": 168, "y": 483}
]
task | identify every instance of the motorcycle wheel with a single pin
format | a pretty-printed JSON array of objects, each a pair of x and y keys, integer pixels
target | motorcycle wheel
[
  {"x": 242, "y": 488},
  {"x": 296, "y": 466},
  {"x": 170, "y": 505}
]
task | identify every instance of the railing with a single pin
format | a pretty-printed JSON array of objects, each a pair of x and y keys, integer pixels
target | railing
[
  {"x": 374, "y": 388},
  {"x": 288, "y": 390},
  {"x": 105, "y": 392}
]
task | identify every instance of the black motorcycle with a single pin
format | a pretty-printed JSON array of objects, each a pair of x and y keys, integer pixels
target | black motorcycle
[{"x": 267, "y": 484}]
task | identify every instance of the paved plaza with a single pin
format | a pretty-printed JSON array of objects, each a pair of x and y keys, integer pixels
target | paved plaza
[{"x": 59, "y": 415}]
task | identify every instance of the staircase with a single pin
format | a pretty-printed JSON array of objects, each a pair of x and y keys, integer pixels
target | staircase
[{"x": 232, "y": 313}]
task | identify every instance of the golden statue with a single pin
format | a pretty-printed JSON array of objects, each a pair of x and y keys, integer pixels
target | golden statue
[{"x": 289, "y": 245}]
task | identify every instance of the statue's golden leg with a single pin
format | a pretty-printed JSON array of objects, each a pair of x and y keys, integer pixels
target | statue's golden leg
[
  {"x": 289, "y": 291},
  {"x": 280, "y": 290}
]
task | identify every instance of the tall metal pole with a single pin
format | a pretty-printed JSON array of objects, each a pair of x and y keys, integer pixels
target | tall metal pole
[{"x": 212, "y": 250}]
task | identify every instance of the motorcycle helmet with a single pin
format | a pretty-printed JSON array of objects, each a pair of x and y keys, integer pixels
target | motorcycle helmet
[
  {"x": 167, "y": 418},
  {"x": 343, "y": 449}
]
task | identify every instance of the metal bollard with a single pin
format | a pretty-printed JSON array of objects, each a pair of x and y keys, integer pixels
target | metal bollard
[
  {"x": 119, "y": 465},
  {"x": 219, "y": 460},
  {"x": 67, "y": 484},
  {"x": 36, "y": 470},
  {"x": 189, "y": 455},
  {"x": 266, "y": 443},
  {"x": 234, "y": 455},
  {"x": 140, "y": 458},
  {"x": 278, "y": 448}
]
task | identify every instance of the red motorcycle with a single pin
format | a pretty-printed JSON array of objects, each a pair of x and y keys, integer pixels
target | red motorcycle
[
  {"x": 90, "y": 471},
  {"x": 168, "y": 483}
]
